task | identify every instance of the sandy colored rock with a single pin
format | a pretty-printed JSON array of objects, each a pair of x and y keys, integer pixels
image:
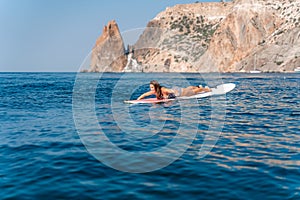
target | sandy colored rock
[
  {"x": 237, "y": 36},
  {"x": 108, "y": 52}
]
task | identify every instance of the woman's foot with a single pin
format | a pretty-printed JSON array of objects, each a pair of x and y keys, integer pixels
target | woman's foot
[{"x": 207, "y": 89}]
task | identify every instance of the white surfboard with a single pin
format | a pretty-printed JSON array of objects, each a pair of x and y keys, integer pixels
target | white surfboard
[
  {"x": 219, "y": 90},
  {"x": 149, "y": 100}
]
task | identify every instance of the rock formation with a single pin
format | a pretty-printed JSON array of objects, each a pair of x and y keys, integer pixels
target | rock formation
[
  {"x": 233, "y": 36},
  {"x": 108, "y": 52}
]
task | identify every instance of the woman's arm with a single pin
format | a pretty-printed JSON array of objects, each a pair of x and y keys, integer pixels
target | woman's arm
[{"x": 146, "y": 94}]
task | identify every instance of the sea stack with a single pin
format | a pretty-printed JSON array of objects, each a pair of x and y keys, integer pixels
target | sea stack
[{"x": 108, "y": 52}]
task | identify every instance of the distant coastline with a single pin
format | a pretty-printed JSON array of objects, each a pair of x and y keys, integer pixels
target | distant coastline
[{"x": 207, "y": 37}]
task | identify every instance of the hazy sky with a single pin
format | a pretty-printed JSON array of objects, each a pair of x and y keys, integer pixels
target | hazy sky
[{"x": 56, "y": 35}]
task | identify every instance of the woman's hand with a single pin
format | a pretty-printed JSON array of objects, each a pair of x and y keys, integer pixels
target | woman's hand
[{"x": 145, "y": 95}]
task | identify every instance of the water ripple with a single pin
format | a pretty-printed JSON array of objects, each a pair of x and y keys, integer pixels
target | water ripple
[{"x": 42, "y": 156}]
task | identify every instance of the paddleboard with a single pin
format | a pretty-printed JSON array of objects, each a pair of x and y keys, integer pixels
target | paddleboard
[
  {"x": 149, "y": 100},
  {"x": 219, "y": 90}
]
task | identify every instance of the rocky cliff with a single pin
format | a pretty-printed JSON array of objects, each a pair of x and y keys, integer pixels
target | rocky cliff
[
  {"x": 108, "y": 53},
  {"x": 236, "y": 36}
]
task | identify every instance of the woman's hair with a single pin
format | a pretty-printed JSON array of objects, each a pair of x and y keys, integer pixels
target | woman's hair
[{"x": 157, "y": 89}]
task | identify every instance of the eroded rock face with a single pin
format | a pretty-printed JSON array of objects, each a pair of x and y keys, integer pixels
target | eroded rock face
[
  {"x": 257, "y": 36},
  {"x": 283, "y": 55},
  {"x": 179, "y": 36},
  {"x": 242, "y": 35},
  {"x": 108, "y": 52}
]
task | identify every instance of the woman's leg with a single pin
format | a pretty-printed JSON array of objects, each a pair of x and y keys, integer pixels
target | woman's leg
[
  {"x": 192, "y": 90},
  {"x": 201, "y": 89},
  {"x": 189, "y": 91}
]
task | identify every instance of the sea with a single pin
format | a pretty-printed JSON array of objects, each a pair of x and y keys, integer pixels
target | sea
[{"x": 71, "y": 136}]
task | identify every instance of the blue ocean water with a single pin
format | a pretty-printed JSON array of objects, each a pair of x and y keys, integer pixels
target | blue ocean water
[{"x": 44, "y": 133}]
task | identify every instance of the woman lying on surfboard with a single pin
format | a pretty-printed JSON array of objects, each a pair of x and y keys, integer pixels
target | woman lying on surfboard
[{"x": 165, "y": 93}]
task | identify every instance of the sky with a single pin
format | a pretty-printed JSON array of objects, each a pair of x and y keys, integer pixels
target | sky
[{"x": 57, "y": 35}]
